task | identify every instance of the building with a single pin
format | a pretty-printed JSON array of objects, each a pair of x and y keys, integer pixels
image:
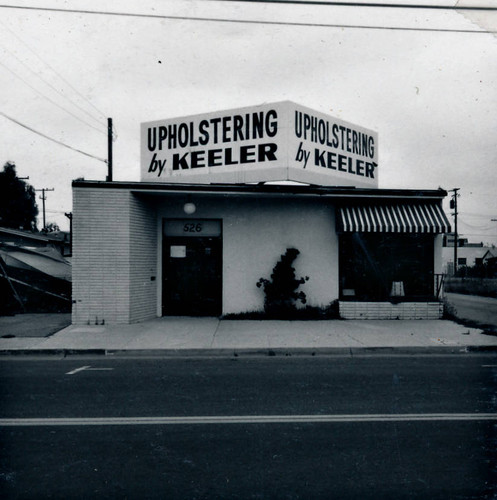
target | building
[
  {"x": 468, "y": 254},
  {"x": 206, "y": 222},
  {"x": 34, "y": 274}
]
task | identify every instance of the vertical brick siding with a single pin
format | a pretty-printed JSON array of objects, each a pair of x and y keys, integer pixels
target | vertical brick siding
[
  {"x": 386, "y": 310},
  {"x": 143, "y": 260},
  {"x": 101, "y": 256}
]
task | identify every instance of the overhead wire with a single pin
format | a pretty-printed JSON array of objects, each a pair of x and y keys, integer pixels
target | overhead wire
[
  {"x": 367, "y": 4},
  {"x": 486, "y": 227},
  {"x": 53, "y": 87},
  {"x": 243, "y": 21},
  {"x": 82, "y": 96},
  {"x": 50, "y": 138},
  {"x": 49, "y": 99}
]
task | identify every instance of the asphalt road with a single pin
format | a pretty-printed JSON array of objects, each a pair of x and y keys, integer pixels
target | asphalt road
[
  {"x": 472, "y": 307},
  {"x": 293, "y": 428}
]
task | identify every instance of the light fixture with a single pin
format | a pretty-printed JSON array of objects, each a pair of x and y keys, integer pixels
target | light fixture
[{"x": 189, "y": 208}]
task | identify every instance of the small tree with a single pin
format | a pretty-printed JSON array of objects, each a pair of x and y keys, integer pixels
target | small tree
[
  {"x": 280, "y": 291},
  {"x": 51, "y": 227},
  {"x": 18, "y": 208}
]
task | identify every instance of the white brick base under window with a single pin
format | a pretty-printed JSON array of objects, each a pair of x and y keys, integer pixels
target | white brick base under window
[{"x": 387, "y": 310}]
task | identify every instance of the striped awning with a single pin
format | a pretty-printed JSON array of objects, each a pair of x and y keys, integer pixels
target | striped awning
[{"x": 393, "y": 218}]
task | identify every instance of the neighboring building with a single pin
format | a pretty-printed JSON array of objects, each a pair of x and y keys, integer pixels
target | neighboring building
[
  {"x": 33, "y": 272},
  {"x": 468, "y": 254},
  {"x": 490, "y": 255},
  {"x": 195, "y": 236}
]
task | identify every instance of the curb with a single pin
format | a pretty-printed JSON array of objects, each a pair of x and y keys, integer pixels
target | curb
[
  {"x": 52, "y": 352},
  {"x": 265, "y": 352}
]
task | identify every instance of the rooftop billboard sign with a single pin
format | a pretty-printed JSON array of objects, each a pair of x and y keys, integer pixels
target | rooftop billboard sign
[{"x": 272, "y": 142}]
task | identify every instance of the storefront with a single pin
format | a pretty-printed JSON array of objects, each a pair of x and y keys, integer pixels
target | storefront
[{"x": 204, "y": 225}]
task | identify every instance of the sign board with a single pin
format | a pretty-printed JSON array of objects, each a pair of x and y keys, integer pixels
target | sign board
[
  {"x": 272, "y": 142},
  {"x": 192, "y": 227}
]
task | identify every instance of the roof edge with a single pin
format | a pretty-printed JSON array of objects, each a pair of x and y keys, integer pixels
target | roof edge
[{"x": 313, "y": 190}]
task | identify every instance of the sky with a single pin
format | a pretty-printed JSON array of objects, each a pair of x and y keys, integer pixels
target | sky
[{"x": 429, "y": 90}]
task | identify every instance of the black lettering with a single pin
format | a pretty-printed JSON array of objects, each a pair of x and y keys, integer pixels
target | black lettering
[
  {"x": 307, "y": 124},
  {"x": 198, "y": 159},
  {"x": 271, "y": 126},
  {"x": 162, "y": 135},
  {"x": 183, "y": 135},
  {"x": 342, "y": 142},
  {"x": 351, "y": 166},
  {"x": 267, "y": 152},
  {"x": 371, "y": 147},
  {"x": 364, "y": 143},
  {"x": 215, "y": 122},
  {"x": 332, "y": 160},
  {"x": 257, "y": 125},
  {"x": 180, "y": 162},
  {"x": 204, "y": 139},
  {"x": 342, "y": 163},
  {"x": 335, "y": 135},
  {"x": 370, "y": 169},
  {"x": 355, "y": 138},
  {"x": 319, "y": 158},
  {"x": 193, "y": 142},
  {"x": 237, "y": 128},
  {"x": 171, "y": 133},
  {"x": 214, "y": 157},
  {"x": 360, "y": 167},
  {"x": 298, "y": 123},
  {"x": 322, "y": 131},
  {"x": 228, "y": 157},
  {"x": 247, "y": 154},
  {"x": 314, "y": 129},
  {"x": 152, "y": 138},
  {"x": 226, "y": 129}
]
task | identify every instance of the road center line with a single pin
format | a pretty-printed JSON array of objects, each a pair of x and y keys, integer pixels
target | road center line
[
  {"x": 72, "y": 372},
  {"x": 87, "y": 368},
  {"x": 247, "y": 419}
]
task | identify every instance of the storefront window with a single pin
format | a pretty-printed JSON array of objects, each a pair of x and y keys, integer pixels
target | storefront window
[{"x": 386, "y": 266}]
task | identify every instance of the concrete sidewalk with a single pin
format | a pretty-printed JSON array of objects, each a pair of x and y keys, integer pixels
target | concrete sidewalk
[{"x": 183, "y": 336}]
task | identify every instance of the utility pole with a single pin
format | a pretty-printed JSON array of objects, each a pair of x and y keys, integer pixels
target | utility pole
[
  {"x": 453, "y": 205},
  {"x": 109, "y": 149},
  {"x": 43, "y": 198}
]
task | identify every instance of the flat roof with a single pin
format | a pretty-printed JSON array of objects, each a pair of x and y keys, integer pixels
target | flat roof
[{"x": 264, "y": 189}]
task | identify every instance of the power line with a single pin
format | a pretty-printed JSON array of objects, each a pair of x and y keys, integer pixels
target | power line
[
  {"x": 370, "y": 5},
  {"x": 51, "y": 86},
  {"x": 54, "y": 71},
  {"x": 242, "y": 21},
  {"x": 50, "y": 138},
  {"x": 48, "y": 98}
]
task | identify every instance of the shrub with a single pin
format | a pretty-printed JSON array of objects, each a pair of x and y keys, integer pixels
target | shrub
[{"x": 281, "y": 295}]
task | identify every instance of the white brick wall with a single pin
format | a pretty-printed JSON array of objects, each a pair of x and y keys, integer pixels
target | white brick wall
[
  {"x": 387, "y": 310},
  {"x": 143, "y": 260},
  {"x": 101, "y": 256}
]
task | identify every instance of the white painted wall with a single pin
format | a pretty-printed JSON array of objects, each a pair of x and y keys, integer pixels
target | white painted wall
[{"x": 256, "y": 232}]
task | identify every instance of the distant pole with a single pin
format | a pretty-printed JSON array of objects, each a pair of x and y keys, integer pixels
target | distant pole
[
  {"x": 453, "y": 205},
  {"x": 109, "y": 149},
  {"x": 43, "y": 198},
  {"x": 69, "y": 216}
]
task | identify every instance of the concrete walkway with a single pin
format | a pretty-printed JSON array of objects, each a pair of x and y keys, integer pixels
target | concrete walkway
[{"x": 211, "y": 336}]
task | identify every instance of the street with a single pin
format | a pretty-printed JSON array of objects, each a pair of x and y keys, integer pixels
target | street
[
  {"x": 249, "y": 427},
  {"x": 474, "y": 308}
]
